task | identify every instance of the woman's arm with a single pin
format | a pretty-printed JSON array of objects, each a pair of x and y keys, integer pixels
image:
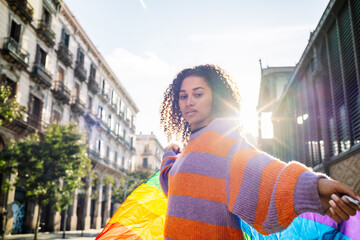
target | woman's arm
[{"x": 168, "y": 160}]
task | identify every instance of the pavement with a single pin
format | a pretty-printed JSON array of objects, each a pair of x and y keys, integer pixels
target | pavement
[{"x": 82, "y": 235}]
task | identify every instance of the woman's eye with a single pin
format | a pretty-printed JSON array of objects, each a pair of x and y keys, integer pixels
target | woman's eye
[
  {"x": 183, "y": 97},
  {"x": 198, "y": 94}
]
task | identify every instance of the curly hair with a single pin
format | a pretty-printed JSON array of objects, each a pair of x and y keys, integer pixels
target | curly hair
[{"x": 226, "y": 100}]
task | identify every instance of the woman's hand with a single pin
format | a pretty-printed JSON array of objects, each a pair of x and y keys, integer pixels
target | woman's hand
[
  {"x": 172, "y": 147},
  {"x": 337, "y": 206}
]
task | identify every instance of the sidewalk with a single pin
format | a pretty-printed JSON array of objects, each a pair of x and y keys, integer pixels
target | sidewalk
[{"x": 87, "y": 235}]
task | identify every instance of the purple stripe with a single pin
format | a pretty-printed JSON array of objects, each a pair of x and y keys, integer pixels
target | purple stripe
[
  {"x": 306, "y": 196},
  {"x": 201, "y": 163},
  {"x": 168, "y": 154},
  {"x": 247, "y": 200},
  {"x": 201, "y": 210}
]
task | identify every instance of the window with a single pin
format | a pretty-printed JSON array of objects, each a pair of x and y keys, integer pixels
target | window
[
  {"x": 60, "y": 75},
  {"x": 56, "y": 117},
  {"x": 107, "y": 151},
  {"x": 123, "y": 161},
  {"x": 90, "y": 103},
  {"x": 8, "y": 82},
  {"x": 103, "y": 85},
  {"x": 92, "y": 71},
  {"x": 145, "y": 163},
  {"x": 15, "y": 31},
  {"x": 100, "y": 112},
  {"x": 109, "y": 120},
  {"x": 46, "y": 18},
  {"x": 35, "y": 111},
  {"x": 40, "y": 56},
  {"x": 76, "y": 91},
  {"x": 117, "y": 128},
  {"x": 65, "y": 38},
  {"x": 80, "y": 57},
  {"x": 115, "y": 156}
]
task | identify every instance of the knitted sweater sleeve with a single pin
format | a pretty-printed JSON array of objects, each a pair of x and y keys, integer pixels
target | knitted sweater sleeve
[
  {"x": 166, "y": 165},
  {"x": 268, "y": 193}
]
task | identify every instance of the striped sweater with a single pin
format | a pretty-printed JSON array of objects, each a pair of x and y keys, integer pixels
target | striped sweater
[{"x": 219, "y": 177}]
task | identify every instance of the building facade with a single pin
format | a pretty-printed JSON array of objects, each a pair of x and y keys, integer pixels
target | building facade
[
  {"x": 57, "y": 73},
  {"x": 149, "y": 152},
  {"x": 317, "y": 119},
  {"x": 272, "y": 85}
]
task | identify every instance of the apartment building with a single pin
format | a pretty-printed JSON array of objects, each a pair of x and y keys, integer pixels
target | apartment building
[
  {"x": 149, "y": 152},
  {"x": 317, "y": 118},
  {"x": 56, "y": 71}
]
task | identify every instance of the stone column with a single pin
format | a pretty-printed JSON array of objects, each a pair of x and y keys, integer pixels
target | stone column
[
  {"x": 72, "y": 211},
  {"x": 97, "y": 213},
  {"x": 107, "y": 205},
  {"x": 31, "y": 217},
  {"x": 57, "y": 220},
  {"x": 87, "y": 207}
]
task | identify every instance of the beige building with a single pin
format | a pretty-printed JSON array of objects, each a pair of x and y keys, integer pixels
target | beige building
[
  {"x": 58, "y": 74},
  {"x": 149, "y": 152}
]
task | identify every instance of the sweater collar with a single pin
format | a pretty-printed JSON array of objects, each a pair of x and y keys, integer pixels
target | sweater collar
[{"x": 224, "y": 126}]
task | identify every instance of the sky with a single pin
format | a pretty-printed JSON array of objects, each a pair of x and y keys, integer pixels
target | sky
[{"x": 147, "y": 42}]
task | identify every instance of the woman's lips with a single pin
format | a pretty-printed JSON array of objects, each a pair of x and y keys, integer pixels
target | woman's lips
[{"x": 190, "y": 113}]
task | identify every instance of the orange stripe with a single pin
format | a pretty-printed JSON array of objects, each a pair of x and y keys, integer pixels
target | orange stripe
[
  {"x": 198, "y": 186},
  {"x": 210, "y": 142},
  {"x": 267, "y": 183},
  {"x": 284, "y": 193},
  {"x": 164, "y": 160},
  {"x": 179, "y": 228},
  {"x": 237, "y": 169},
  {"x": 117, "y": 231}
]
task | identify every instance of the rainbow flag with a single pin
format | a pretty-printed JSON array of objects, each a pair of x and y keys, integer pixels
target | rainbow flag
[{"x": 142, "y": 216}]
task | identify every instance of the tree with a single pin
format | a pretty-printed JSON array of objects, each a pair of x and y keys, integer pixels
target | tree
[
  {"x": 10, "y": 109},
  {"x": 139, "y": 176},
  {"x": 50, "y": 168}
]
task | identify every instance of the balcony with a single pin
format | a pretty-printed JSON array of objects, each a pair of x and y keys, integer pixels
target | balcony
[
  {"x": 61, "y": 92},
  {"x": 80, "y": 71},
  {"x": 101, "y": 125},
  {"x": 36, "y": 123},
  {"x": 13, "y": 53},
  {"x": 132, "y": 149},
  {"x": 133, "y": 128},
  {"x": 127, "y": 144},
  {"x": 46, "y": 34},
  {"x": 23, "y": 9},
  {"x": 114, "y": 107},
  {"x": 90, "y": 118},
  {"x": 93, "y": 85},
  {"x": 64, "y": 54},
  {"x": 93, "y": 155},
  {"x": 104, "y": 96},
  {"x": 77, "y": 105},
  {"x": 41, "y": 75}
]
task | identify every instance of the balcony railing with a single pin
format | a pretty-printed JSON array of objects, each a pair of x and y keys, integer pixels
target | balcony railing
[
  {"x": 114, "y": 107},
  {"x": 104, "y": 96},
  {"x": 93, "y": 155},
  {"x": 41, "y": 75},
  {"x": 61, "y": 92},
  {"x": 46, "y": 33},
  {"x": 23, "y": 9},
  {"x": 15, "y": 54},
  {"x": 36, "y": 123},
  {"x": 93, "y": 85},
  {"x": 132, "y": 149},
  {"x": 80, "y": 71},
  {"x": 64, "y": 54},
  {"x": 77, "y": 105}
]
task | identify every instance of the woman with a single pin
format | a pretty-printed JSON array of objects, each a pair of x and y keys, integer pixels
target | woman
[{"x": 219, "y": 177}]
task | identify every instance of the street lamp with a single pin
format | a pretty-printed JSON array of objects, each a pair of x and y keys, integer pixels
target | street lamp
[{"x": 125, "y": 187}]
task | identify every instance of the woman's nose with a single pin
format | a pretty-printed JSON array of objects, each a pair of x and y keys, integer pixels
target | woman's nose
[{"x": 189, "y": 101}]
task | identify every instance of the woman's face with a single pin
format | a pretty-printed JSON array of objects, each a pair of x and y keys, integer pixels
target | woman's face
[{"x": 195, "y": 101}]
